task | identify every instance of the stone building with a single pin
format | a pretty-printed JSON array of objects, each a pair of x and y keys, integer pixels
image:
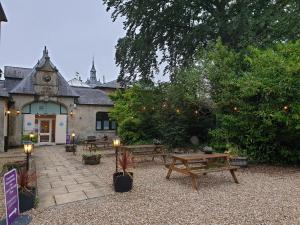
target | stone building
[{"x": 39, "y": 100}]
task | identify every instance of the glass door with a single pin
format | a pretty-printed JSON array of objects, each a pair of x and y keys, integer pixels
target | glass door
[{"x": 44, "y": 131}]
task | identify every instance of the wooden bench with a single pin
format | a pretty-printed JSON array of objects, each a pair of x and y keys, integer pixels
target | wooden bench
[{"x": 145, "y": 150}]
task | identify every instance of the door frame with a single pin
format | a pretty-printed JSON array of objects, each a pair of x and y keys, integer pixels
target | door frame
[{"x": 50, "y": 131}]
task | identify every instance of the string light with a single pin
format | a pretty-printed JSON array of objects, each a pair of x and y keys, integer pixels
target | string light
[
  {"x": 286, "y": 108},
  {"x": 235, "y": 109},
  {"x": 178, "y": 110},
  {"x": 196, "y": 112}
]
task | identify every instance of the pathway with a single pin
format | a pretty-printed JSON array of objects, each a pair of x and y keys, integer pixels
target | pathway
[{"x": 63, "y": 179}]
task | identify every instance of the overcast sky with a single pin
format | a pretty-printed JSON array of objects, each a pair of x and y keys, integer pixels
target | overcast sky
[{"x": 73, "y": 30}]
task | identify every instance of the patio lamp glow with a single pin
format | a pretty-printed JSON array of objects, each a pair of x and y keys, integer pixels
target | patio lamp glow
[
  {"x": 73, "y": 137},
  {"x": 27, "y": 149},
  {"x": 116, "y": 144},
  {"x": 31, "y": 136}
]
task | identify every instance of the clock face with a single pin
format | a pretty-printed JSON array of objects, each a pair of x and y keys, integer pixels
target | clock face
[{"x": 47, "y": 78}]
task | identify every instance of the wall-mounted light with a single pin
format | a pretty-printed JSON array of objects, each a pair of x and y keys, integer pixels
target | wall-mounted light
[
  {"x": 18, "y": 112},
  {"x": 7, "y": 112},
  {"x": 71, "y": 113}
]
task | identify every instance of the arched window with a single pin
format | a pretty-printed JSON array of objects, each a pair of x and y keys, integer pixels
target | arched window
[{"x": 103, "y": 122}]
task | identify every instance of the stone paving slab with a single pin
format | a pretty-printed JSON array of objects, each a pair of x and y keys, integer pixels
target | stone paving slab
[
  {"x": 63, "y": 179},
  {"x": 70, "y": 197}
]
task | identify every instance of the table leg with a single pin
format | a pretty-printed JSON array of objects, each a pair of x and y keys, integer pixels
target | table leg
[
  {"x": 194, "y": 182},
  {"x": 171, "y": 168},
  {"x": 234, "y": 176},
  {"x": 193, "y": 177}
]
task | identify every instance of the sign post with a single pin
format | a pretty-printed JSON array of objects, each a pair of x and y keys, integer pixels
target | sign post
[{"x": 11, "y": 196}]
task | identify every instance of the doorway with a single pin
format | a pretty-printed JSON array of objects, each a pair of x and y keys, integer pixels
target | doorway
[{"x": 44, "y": 134}]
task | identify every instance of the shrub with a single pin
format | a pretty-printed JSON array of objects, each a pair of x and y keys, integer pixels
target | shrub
[{"x": 257, "y": 100}]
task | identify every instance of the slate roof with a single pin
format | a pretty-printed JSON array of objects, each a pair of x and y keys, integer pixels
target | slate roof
[
  {"x": 20, "y": 81},
  {"x": 112, "y": 84},
  {"x": 89, "y": 96},
  {"x": 16, "y": 72},
  {"x": 26, "y": 85}
]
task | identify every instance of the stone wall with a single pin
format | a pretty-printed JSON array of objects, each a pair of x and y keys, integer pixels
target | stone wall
[
  {"x": 83, "y": 122},
  {"x": 15, "y": 121}
]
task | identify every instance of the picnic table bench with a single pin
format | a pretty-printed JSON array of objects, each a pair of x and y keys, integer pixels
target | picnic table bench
[
  {"x": 145, "y": 150},
  {"x": 198, "y": 164},
  {"x": 92, "y": 143}
]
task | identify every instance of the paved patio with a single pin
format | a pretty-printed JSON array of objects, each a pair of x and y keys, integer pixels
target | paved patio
[{"x": 63, "y": 179}]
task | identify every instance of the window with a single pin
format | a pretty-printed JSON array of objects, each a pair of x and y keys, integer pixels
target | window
[{"x": 103, "y": 122}]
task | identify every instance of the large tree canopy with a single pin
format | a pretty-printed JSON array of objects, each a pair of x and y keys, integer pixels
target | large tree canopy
[{"x": 170, "y": 31}]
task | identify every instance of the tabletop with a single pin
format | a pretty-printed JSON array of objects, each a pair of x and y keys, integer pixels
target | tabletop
[
  {"x": 198, "y": 156},
  {"x": 140, "y": 146}
]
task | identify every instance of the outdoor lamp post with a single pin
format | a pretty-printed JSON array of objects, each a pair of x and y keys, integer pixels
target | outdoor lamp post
[
  {"x": 73, "y": 138},
  {"x": 116, "y": 144},
  {"x": 73, "y": 142},
  {"x": 27, "y": 150}
]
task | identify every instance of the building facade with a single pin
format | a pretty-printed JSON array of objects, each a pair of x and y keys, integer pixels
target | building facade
[{"x": 39, "y": 100}]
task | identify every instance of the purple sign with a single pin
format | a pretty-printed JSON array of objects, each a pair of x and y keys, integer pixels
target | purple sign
[
  {"x": 68, "y": 140},
  {"x": 11, "y": 196}
]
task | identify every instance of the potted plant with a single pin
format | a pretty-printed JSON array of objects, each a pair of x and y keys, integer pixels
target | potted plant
[
  {"x": 237, "y": 157},
  {"x": 123, "y": 180},
  {"x": 91, "y": 158},
  {"x": 27, "y": 189}
]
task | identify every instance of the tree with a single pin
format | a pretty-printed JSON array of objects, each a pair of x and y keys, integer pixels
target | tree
[
  {"x": 171, "y": 112},
  {"x": 257, "y": 100},
  {"x": 170, "y": 32}
]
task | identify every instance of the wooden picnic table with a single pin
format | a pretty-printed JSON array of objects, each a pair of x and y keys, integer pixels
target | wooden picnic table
[
  {"x": 92, "y": 143},
  {"x": 198, "y": 164},
  {"x": 145, "y": 150}
]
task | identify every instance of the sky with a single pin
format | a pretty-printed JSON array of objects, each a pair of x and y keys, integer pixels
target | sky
[{"x": 74, "y": 32}]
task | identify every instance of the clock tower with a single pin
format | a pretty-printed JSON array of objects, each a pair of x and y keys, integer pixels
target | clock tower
[{"x": 46, "y": 77}]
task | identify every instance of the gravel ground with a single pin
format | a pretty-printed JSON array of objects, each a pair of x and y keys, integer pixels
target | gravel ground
[{"x": 265, "y": 195}]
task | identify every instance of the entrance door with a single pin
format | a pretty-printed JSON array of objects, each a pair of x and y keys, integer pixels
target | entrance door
[{"x": 44, "y": 131}]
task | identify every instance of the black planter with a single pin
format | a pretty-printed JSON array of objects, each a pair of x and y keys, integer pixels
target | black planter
[
  {"x": 122, "y": 183},
  {"x": 239, "y": 161},
  {"x": 91, "y": 160},
  {"x": 70, "y": 148},
  {"x": 27, "y": 199}
]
